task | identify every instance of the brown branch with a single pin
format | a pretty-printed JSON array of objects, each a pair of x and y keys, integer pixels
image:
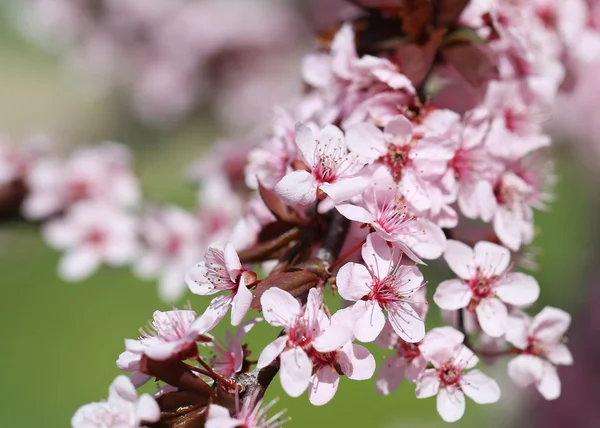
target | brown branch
[{"x": 257, "y": 381}]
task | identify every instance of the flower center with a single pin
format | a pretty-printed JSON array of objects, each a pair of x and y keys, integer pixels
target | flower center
[
  {"x": 396, "y": 159},
  {"x": 449, "y": 374},
  {"x": 409, "y": 351}
]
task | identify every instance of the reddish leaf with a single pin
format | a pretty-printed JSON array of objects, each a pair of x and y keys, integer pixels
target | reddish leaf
[
  {"x": 471, "y": 62},
  {"x": 295, "y": 283},
  {"x": 448, "y": 11},
  {"x": 176, "y": 373},
  {"x": 415, "y": 61},
  {"x": 279, "y": 209},
  {"x": 266, "y": 250}
]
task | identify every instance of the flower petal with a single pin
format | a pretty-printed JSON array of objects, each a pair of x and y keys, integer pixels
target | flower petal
[
  {"x": 297, "y": 187},
  {"x": 451, "y": 404},
  {"x": 491, "y": 258},
  {"x": 306, "y": 142},
  {"x": 352, "y": 281},
  {"x": 344, "y": 189},
  {"x": 78, "y": 264},
  {"x": 518, "y": 289},
  {"x": 460, "y": 258},
  {"x": 355, "y": 213},
  {"x": 240, "y": 304},
  {"x": 356, "y": 362},
  {"x": 323, "y": 386},
  {"x": 452, "y": 294},
  {"x": 369, "y": 320},
  {"x": 492, "y": 316},
  {"x": 428, "y": 384},
  {"x": 296, "y": 371},
  {"x": 390, "y": 375},
  {"x": 377, "y": 255},
  {"x": 271, "y": 351},
  {"x": 280, "y": 308},
  {"x": 406, "y": 322},
  {"x": 479, "y": 387},
  {"x": 550, "y": 324}
]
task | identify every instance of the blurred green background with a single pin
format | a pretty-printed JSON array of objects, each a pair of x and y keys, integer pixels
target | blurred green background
[{"x": 59, "y": 341}]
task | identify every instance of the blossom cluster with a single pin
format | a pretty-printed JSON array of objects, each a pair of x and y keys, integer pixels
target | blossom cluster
[
  {"x": 89, "y": 204},
  {"x": 171, "y": 57},
  {"x": 416, "y": 141}
]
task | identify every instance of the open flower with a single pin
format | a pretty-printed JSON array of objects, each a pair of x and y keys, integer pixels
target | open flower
[
  {"x": 92, "y": 233},
  {"x": 412, "y": 159},
  {"x": 123, "y": 409},
  {"x": 484, "y": 284},
  {"x": 330, "y": 168},
  {"x": 306, "y": 331},
  {"x": 384, "y": 208},
  {"x": 249, "y": 414},
  {"x": 449, "y": 379},
  {"x": 170, "y": 334},
  {"x": 541, "y": 341},
  {"x": 222, "y": 271},
  {"x": 381, "y": 284},
  {"x": 172, "y": 245},
  {"x": 231, "y": 356}
]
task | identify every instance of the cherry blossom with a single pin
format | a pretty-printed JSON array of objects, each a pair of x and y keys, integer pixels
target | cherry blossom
[
  {"x": 92, "y": 233},
  {"x": 381, "y": 284},
  {"x": 102, "y": 173},
  {"x": 484, "y": 284},
  {"x": 412, "y": 159},
  {"x": 230, "y": 356},
  {"x": 345, "y": 81},
  {"x": 384, "y": 209},
  {"x": 171, "y": 238},
  {"x": 542, "y": 346},
  {"x": 449, "y": 378},
  {"x": 169, "y": 334},
  {"x": 306, "y": 330},
  {"x": 123, "y": 409},
  {"x": 222, "y": 271},
  {"x": 251, "y": 414},
  {"x": 331, "y": 168}
]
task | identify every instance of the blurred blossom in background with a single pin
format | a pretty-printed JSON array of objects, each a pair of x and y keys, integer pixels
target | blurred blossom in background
[{"x": 160, "y": 84}]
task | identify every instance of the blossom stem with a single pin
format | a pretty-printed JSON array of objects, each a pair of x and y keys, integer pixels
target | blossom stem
[{"x": 348, "y": 253}]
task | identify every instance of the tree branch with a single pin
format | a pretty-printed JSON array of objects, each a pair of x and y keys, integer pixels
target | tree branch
[{"x": 258, "y": 380}]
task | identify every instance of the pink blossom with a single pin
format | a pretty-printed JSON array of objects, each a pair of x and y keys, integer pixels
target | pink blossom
[
  {"x": 270, "y": 161},
  {"x": 169, "y": 334},
  {"x": 515, "y": 127},
  {"x": 92, "y": 233},
  {"x": 345, "y": 81},
  {"x": 331, "y": 168},
  {"x": 412, "y": 159},
  {"x": 17, "y": 160},
  {"x": 473, "y": 169},
  {"x": 229, "y": 358},
  {"x": 221, "y": 270},
  {"x": 307, "y": 331},
  {"x": 123, "y": 409},
  {"x": 382, "y": 283},
  {"x": 171, "y": 238},
  {"x": 219, "y": 207},
  {"x": 384, "y": 209},
  {"x": 484, "y": 284},
  {"x": 542, "y": 345},
  {"x": 249, "y": 415},
  {"x": 449, "y": 379},
  {"x": 101, "y": 173}
]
